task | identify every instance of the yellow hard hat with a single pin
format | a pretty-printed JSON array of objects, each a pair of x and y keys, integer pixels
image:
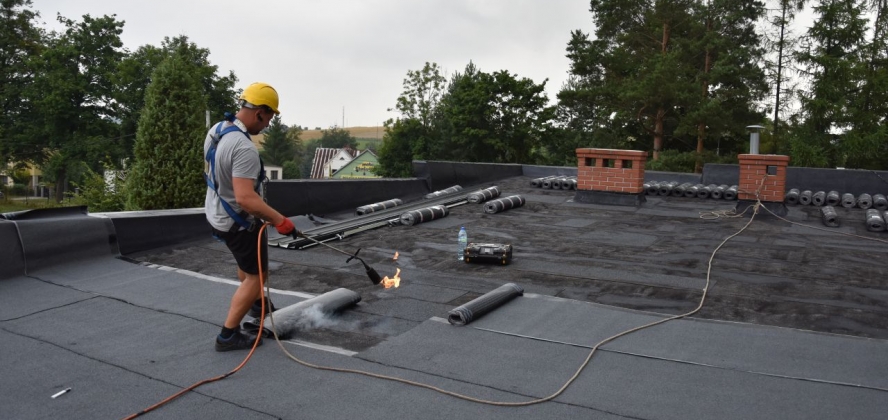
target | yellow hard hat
[{"x": 260, "y": 94}]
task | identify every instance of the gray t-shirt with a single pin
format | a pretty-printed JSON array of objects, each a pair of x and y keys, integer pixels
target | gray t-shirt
[{"x": 236, "y": 157}]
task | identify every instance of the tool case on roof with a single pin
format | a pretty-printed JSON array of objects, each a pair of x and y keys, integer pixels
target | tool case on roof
[{"x": 496, "y": 253}]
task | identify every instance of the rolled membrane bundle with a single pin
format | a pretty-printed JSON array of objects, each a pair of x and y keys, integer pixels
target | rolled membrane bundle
[
  {"x": 805, "y": 197},
  {"x": 874, "y": 221},
  {"x": 865, "y": 201},
  {"x": 719, "y": 192},
  {"x": 548, "y": 183},
  {"x": 819, "y": 198},
  {"x": 833, "y": 198},
  {"x": 556, "y": 183},
  {"x": 452, "y": 189},
  {"x": 651, "y": 187},
  {"x": 679, "y": 191},
  {"x": 483, "y": 304},
  {"x": 848, "y": 200},
  {"x": 829, "y": 217},
  {"x": 705, "y": 191},
  {"x": 880, "y": 202},
  {"x": 792, "y": 197},
  {"x": 538, "y": 182},
  {"x": 691, "y": 192},
  {"x": 569, "y": 183},
  {"x": 503, "y": 204},
  {"x": 427, "y": 214},
  {"x": 370, "y": 208},
  {"x": 481, "y": 196},
  {"x": 665, "y": 188},
  {"x": 306, "y": 314},
  {"x": 730, "y": 193}
]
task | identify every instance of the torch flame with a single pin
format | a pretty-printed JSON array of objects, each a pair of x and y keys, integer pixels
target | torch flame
[
  {"x": 395, "y": 258},
  {"x": 392, "y": 282}
]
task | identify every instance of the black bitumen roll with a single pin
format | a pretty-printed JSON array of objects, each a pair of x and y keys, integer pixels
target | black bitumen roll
[
  {"x": 730, "y": 193},
  {"x": 679, "y": 191},
  {"x": 792, "y": 197},
  {"x": 829, "y": 217},
  {"x": 538, "y": 182},
  {"x": 569, "y": 183},
  {"x": 874, "y": 221},
  {"x": 819, "y": 198},
  {"x": 651, "y": 187},
  {"x": 483, "y": 304},
  {"x": 705, "y": 191},
  {"x": 370, "y": 208},
  {"x": 481, "y": 196},
  {"x": 450, "y": 190},
  {"x": 503, "y": 204},
  {"x": 880, "y": 202},
  {"x": 307, "y": 313},
  {"x": 427, "y": 214},
  {"x": 833, "y": 198},
  {"x": 865, "y": 201},
  {"x": 719, "y": 192},
  {"x": 665, "y": 188},
  {"x": 547, "y": 183},
  {"x": 691, "y": 192},
  {"x": 848, "y": 200},
  {"x": 556, "y": 183},
  {"x": 805, "y": 197}
]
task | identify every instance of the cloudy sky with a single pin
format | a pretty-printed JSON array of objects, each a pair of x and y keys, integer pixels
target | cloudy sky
[{"x": 323, "y": 56}]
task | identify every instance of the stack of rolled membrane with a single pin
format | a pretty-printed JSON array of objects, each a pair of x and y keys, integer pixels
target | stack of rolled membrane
[
  {"x": 880, "y": 202},
  {"x": 691, "y": 191},
  {"x": 569, "y": 183},
  {"x": 848, "y": 200},
  {"x": 792, "y": 197},
  {"x": 833, "y": 198},
  {"x": 805, "y": 197},
  {"x": 874, "y": 221},
  {"x": 706, "y": 191},
  {"x": 864, "y": 201},
  {"x": 819, "y": 198},
  {"x": 665, "y": 188},
  {"x": 481, "y": 196},
  {"x": 452, "y": 189},
  {"x": 547, "y": 183},
  {"x": 413, "y": 217},
  {"x": 503, "y": 204},
  {"x": 651, "y": 187},
  {"x": 719, "y": 192},
  {"x": 370, "y": 208},
  {"x": 538, "y": 182},
  {"x": 829, "y": 217},
  {"x": 679, "y": 190},
  {"x": 730, "y": 193}
]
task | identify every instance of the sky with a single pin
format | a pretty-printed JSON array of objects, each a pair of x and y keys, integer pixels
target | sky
[{"x": 335, "y": 57}]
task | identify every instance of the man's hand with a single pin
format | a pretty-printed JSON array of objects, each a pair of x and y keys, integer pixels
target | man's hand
[{"x": 286, "y": 227}]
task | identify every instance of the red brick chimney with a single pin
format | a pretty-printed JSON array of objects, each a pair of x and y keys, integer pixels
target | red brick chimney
[
  {"x": 609, "y": 176},
  {"x": 756, "y": 169}
]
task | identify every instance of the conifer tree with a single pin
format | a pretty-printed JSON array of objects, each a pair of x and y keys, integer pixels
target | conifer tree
[{"x": 168, "y": 152}]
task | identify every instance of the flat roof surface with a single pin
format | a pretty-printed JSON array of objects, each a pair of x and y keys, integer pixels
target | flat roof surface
[{"x": 794, "y": 324}]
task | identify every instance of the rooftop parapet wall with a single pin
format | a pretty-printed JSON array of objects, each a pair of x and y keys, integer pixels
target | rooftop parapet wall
[
  {"x": 611, "y": 170},
  {"x": 762, "y": 175}
]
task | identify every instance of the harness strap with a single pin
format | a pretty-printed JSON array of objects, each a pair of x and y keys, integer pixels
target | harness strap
[{"x": 239, "y": 218}]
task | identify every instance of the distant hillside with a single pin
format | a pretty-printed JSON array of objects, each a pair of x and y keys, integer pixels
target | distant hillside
[{"x": 356, "y": 132}]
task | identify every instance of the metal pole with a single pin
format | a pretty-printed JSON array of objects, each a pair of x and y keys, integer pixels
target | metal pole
[{"x": 754, "y": 138}]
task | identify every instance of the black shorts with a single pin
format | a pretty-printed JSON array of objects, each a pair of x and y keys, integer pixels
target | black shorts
[{"x": 242, "y": 245}]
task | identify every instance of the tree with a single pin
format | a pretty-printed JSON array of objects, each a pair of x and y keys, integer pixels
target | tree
[
  {"x": 169, "y": 144},
  {"x": 782, "y": 42},
  {"x": 396, "y": 153},
  {"x": 291, "y": 170},
  {"x": 337, "y": 138},
  {"x": 73, "y": 92},
  {"x": 422, "y": 92},
  {"x": 277, "y": 147},
  {"x": 20, "y": 42}
]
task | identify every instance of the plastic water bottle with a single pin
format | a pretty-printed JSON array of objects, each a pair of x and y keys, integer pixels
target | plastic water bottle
[{"x": 463, "y": 240}]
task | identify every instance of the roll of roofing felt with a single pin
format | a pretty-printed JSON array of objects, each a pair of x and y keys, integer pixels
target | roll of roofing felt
[
  {"x": 503, "y": 204},
  {"x": 691, "y": 192},
  {"x": 556, "y": 183},
  {"x": 547, "y": 183},
  {"x": 792, "y": 197},
  {"x": 665, "y": 188},
  {"x": 719, "y": 192},
  {"x": 819, "y": 198},
  {"x": 805, "y": 197},
  {"x": 829, "y": 217},
  {"x": 705, "y": 191},
  {"x": 833, "y": 198},
  {"x": 651, "y": 187},
  {"x": 538, "y": 182},
  {"x": 481, "y": 196},
  {"x": 569, "y": 183},
  {"x": 483, "y": 304},
  {"x": 880, "y": 202},
  {"x": 730, "y": 193},
  {"x": 370, "y": 208},
  {"x": 865, "y": 201},
  {"x": 848, "y": 200},
  {"x": 310, "y": 312},
  {"x": 679, "y": 190},
  {"x": 874, "y": 221},
  {"x": 427, "y": 214},
  {"x": 452, "y": 189}
]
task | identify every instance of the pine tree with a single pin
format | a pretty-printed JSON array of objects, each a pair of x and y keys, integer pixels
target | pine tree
[
  {"x": 168, "y": 152},
  {"x": 277, "y": 147}
]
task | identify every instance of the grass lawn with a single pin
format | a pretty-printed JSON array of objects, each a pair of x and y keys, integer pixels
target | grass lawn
[{"x": 8, "y": 205}]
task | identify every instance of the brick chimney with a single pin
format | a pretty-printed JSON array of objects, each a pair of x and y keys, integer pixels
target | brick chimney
[
  {"x": 755, "y": 169},
  {"x": 609, "y": 176}
]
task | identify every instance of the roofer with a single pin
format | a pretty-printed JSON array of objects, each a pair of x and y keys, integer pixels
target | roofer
[{"x": 235, "y": 208}]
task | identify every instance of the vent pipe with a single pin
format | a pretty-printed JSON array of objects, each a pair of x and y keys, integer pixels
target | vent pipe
[{"x": 754, "y": 131}]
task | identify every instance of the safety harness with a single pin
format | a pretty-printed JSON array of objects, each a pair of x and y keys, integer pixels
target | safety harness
[{"x": 240, "y": 219}]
